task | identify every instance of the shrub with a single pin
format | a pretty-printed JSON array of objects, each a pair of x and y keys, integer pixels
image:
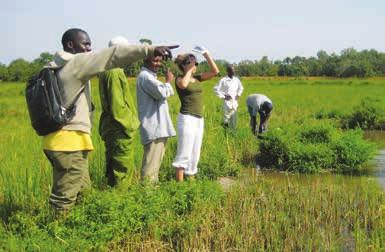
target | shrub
[
  {"x": 368, "y": 115},
  {"x": 332, "y": 114},
  {"x": 351, "y": 151},
  {"x": 314, "y": 147},
  {"x": 316, "y": 133}
]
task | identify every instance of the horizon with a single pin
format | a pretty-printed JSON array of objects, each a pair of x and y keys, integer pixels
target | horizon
[{"x": 246, "y": 31}]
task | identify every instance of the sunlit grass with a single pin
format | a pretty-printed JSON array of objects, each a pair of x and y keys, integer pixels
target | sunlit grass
[{"x": 268, "y": 212}]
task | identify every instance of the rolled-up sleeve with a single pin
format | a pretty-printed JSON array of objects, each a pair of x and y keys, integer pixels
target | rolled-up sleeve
[{"x": 156, "y": 89}]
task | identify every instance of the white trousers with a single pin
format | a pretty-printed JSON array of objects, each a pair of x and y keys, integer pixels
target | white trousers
[
  {"x": 230, "y": 114},
  {"x": 190, "y": 134}
]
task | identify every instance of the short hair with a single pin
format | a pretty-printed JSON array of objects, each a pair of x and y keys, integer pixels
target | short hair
[
  {"x": 70, "y": 35},
  {"x": 267, "y": 107},
  {"x": 229, "y": 66}
]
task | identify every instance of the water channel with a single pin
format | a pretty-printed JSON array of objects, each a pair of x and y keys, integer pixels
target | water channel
[{"x": 376, "y": 171}]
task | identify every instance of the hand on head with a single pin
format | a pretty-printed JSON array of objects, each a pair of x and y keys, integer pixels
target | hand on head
[{"x": 164, "y": 51}]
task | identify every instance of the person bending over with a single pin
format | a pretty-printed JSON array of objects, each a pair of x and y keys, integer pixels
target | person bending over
[{"x": 259, "y": 103}]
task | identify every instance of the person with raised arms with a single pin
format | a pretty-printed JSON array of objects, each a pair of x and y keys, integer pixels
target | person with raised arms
[
  {"x": 67, "y": 149},
  {"x": 190, "y": 119}
]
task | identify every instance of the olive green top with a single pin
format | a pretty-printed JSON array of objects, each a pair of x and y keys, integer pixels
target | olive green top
[
  {"x": 191, "y": 98},
  {"x": 119, "y": 113}
]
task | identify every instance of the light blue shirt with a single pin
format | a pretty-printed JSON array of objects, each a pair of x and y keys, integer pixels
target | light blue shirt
[{"x": 151, "y": 95}]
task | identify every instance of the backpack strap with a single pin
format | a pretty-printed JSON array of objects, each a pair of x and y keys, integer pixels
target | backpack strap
[{"x": 72, "y": 104}]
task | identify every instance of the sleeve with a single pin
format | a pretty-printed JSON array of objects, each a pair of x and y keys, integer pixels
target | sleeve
[
  {"x": 120, "y": 110},
  {"x": 240, "y": 88},
  {"x": 90, "y": 64},
  {"x": 218, "y": 89},
  {"x": 156, "y": 89}
]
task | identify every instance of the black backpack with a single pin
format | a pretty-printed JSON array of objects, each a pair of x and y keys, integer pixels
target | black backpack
[{"x": 45, "y": 104}]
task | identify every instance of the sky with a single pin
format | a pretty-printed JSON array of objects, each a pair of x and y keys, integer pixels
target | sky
[{"x": 231, "y": 30}]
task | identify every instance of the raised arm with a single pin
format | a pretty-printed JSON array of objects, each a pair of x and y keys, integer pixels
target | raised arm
[
  {"x": 91, "y": 64},
  {"x": 214, "y": 71},
  {"x": 184, "y": 81},
  {"x": 156, "y": 89}
]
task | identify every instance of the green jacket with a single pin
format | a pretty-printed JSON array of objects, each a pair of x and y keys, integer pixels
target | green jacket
[{"x": 119, "y": 114}]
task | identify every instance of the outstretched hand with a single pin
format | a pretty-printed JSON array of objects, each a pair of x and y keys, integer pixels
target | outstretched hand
[
  {"x": 200, "y": 49},
  {"x": 164, "y": 51}
]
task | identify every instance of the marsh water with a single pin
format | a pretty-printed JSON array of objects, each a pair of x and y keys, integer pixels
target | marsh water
[
  {"x": 377, "y": 165},
  {"x": 376, "y": 170}
]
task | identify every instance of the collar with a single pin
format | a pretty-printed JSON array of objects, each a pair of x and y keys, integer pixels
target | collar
[
  {"x": 149, "y": 71},
  {"x": 60, "y": 59}
]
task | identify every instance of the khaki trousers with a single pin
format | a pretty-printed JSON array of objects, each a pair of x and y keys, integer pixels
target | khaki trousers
[
  {"x": 70, "y": 177},
  {"x": 152, "y": 159}
]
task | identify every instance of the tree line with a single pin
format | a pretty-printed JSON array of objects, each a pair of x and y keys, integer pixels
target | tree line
[{"x": 349, "y": 63}]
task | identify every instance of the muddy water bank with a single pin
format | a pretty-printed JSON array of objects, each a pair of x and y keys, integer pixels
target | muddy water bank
[{"x": 376, "y": 169}]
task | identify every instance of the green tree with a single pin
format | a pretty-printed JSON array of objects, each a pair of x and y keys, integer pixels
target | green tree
[
  {"x": 3, "y": 72},
  {"x": 145, "y": 41},
  {"x": 44, "y": 58},
  {"x": 19, "y": 70}
]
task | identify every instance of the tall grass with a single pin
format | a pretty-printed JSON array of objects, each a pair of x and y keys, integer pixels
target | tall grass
[{"x": 262, "y": 215}]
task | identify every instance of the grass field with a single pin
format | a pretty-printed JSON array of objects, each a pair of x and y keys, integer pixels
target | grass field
[{"x": 265, "y": 211}]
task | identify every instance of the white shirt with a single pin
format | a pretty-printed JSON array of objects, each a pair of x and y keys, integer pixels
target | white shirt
[{"x": 229, "y": 86}]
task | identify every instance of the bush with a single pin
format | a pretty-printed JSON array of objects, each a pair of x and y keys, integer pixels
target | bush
[
  {"x": 332, "y": 114},
  {"x": 351, "y": 151},
  {"x": 368, "y": 115},
  {"x": 314, "y": 147}
]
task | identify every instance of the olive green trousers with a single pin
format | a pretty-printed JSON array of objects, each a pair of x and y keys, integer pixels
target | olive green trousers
[{"x": 70, "y": 176}]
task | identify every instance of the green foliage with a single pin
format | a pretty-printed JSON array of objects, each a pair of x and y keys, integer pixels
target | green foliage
[
  {"x": 313, "y": 147},
  {"x": 22, "y": 70},
  {"x": 328, "y": 114},
  {"x": 19, "y": 70},
  {"x": 265, "y": 211},
  {"x": 161, "y": 212},
  {"x": 370, "y": 114},
  {"x": 351, "y": 151},
  {"x": 350, "y": 63},
  {"x": 145, "y": 41},
  {"x": 3, "y": 72}
]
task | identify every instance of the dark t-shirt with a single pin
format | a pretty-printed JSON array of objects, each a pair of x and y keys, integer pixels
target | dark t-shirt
[{"x": 191, "y": 98}]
